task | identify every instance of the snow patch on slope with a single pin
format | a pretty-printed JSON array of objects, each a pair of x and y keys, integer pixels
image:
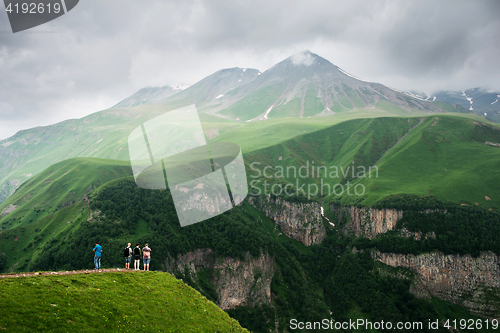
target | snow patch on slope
[
  {"x": 469, "y": 99},
  {"x": 354, "y": 77},
  {"x": 407, "y": 93},
  {"x": 377, "y": 92},
  {"x": 412, "y": 95},
  {"x": 267, "y": 112},
  {"x": 498, "y": 96}
]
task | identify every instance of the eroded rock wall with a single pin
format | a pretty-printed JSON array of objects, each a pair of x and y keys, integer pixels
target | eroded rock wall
[
  {"x": 366, "y": 221},
  {"x": 237, "y": 282},
  {"x": 298, "y": 220},
  {"x": 464, "y": 280}
]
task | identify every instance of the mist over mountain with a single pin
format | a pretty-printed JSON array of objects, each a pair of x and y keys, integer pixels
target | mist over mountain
[{"x": 149, "y": 95}]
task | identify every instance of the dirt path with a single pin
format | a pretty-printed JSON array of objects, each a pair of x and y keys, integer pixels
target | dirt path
[{"x": 85, "y": 271}]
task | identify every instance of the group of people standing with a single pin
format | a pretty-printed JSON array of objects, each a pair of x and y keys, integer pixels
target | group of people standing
[
  {"x": 136, "y": 252},
  {"x": 146, "y": 256}
]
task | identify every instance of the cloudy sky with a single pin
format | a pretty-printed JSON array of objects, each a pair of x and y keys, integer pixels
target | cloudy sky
[{"x": 103, "y": 51}]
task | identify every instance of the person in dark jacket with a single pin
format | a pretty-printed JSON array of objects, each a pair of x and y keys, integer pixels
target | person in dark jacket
[
  {"x": 128, "y": 256},
  {"x": 137, "y": 257}
]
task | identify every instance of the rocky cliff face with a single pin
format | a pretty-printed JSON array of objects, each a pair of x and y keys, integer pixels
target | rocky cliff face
[
  {"x": 8, "y": 188},
  {"x": 299, "y": 221},
  {"x": 8, "y": 210},
  {"x": 236, "y": 282},
  {"x": 463, "y": 280},
  {"x": 366, "y": 221}
]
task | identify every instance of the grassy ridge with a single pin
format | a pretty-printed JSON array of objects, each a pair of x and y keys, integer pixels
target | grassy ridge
[
  {"x": 108, "y": 302},
  {"x": 58, "y": 186},
  {"x": 444, "y": 156},
  {"x": 255, "y": 103},
  {"x": 262, "y": 134},
  {"x": 20, "y": 246}
]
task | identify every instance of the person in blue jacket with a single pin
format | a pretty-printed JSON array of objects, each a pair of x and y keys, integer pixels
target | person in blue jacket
[{"x": 97, "y": 256}]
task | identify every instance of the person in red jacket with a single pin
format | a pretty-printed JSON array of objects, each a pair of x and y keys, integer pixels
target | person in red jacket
[{"x": 146, "y": 257}]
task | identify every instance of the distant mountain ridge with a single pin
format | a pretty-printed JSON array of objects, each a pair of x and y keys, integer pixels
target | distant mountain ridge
[
  {"x": 211, "y": 91},
  {"x": 149, "y": 95},
  {"x": 302, "y": 85},
  {"x": 478, "y": 100}
]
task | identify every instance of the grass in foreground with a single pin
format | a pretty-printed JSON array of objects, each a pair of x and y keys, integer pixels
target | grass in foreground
[{"x": 108, "y": 302}]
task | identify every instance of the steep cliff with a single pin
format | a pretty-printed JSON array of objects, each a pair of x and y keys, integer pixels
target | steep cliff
[
  {"x": 8, "y": 210},
  {"x": 298, "y": 220},
  {"x": 237, "y": 282},
  {"x": 464, "y": 280},
  {"x": 8, "y": 188},
  {"x": 366, "y": 221}
]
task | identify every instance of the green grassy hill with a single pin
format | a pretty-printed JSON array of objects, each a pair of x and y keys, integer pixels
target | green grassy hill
[
  {"x": 261, "y": 134},
  {"x": 108, "y": 302},
  {"x": 58, "y": 186},
  {"x": 445, "y": 156}
]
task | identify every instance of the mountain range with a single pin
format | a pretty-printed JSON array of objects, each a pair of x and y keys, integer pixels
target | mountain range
[
  {"x": 148, "y": 95},
  {"x": 477, "y": 100},
  {"x": 301, "y": 86},
  {"x": 306, "y": 85}
]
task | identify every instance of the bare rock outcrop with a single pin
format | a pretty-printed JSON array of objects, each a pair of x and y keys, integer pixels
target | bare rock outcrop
[
  {"x": 366, "y": 221},
  {"x": 298, "y": 220},
  {"x": 463, "y": 280},
  {"x": 8, "y": 210},
  {"x": 237, "y": 282}
]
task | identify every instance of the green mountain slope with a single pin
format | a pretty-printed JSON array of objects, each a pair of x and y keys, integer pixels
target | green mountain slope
[
  {"x": 58, "y": 186},
  {"x": 445, "y": 156},
  {"x": 108, "y": 302},
  {"x": 305, "y": 85},
  {"x": 212, "y": 91}
]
